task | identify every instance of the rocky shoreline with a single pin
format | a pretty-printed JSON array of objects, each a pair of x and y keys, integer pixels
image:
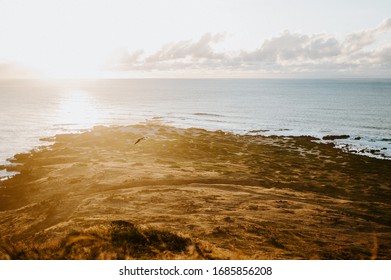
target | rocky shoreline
[{"x": 211, "y": 195}]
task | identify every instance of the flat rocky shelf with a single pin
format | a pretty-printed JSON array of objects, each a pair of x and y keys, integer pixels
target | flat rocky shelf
[{"x": 194, "y": 194}]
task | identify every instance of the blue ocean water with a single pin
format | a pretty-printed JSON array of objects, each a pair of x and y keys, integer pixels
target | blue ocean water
[{"x": 32, "y": 109}]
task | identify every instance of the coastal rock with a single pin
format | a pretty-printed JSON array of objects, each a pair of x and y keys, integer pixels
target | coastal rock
[
  {"x": 307, "y": 137},
  {"x": 258, "y": 131},
  {"x": 194, "y": 194},
  {"x": 373, "y": 151},
  {"x": 334, "y": 137}
]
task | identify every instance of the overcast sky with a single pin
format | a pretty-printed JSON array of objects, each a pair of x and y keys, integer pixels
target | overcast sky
[{"x": 195, "y": 38}]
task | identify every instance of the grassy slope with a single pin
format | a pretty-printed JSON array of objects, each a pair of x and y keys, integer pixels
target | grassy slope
[{"x": 215, "y": 195}]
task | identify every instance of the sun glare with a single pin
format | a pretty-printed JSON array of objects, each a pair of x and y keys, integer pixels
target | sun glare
[
  {"x": 78, "y": 108},
  {"x": 58, "y": 40}
]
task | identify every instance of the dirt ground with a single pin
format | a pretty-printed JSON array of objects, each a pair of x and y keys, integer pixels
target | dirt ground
[{"x": 193, "y": 194}]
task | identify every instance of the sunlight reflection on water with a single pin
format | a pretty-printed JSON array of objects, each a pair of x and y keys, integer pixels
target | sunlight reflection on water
[
  {"x": 30, "y": 110},
  {"x": 78, "y": 108}
]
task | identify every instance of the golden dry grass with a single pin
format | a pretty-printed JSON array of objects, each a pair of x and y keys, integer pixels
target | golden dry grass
[
  {"x": 229, "y": 196},
  {"x": 118, "y": 240}
]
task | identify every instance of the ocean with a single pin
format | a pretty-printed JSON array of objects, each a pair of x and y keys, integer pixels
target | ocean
[{"x": 33, "y": 109}]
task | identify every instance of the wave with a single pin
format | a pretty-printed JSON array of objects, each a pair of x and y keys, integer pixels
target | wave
[{"x": 208, "y": 115}]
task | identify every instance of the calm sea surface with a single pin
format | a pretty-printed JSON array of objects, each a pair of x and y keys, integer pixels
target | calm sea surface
[{"x": 30, "y": 110}]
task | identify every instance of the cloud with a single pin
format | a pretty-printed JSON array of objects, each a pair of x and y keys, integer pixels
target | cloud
[
  {"x": 178, "y": 55},
  {"x": 285, "y": 53},
  {"x": 12, "y": 70},
  {"x": 289, "y": 48},
  {"x": 123, "y": 59},
  {"x": 359, "y": 40},
  {"x": 189, "y": 50},
  {"x": 381, "y": 56}
]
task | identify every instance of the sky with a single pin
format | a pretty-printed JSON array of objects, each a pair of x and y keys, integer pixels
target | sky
[{"x": 195, "y": 39}]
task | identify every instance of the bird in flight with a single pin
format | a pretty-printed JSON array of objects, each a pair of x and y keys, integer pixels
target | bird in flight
[{"x": 138, "y": 140}]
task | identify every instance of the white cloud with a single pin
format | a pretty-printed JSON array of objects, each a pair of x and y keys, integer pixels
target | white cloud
[
  {"x": 124, "y": 59},
  {"x": 359, "y": 40},
  {"x": 286, "y": 53},
  {"x": 381, "y": 56},
  {"x": 175, "y": 56},
  {"x": 12, "y": 70},
  {"x": 189, "y": 50},
  {"x": 289, "y": 48}
]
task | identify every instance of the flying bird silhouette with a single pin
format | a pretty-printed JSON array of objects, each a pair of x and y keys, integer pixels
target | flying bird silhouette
[{"x": 138, "y": 140}]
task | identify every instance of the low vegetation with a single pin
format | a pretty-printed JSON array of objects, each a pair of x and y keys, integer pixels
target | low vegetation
[{"x": 117, "y": 240}]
